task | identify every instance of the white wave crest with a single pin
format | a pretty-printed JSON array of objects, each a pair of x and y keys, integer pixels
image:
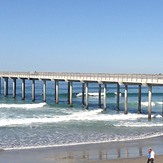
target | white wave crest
[
  {"x": 90, "y": 94},
  {"x": 136, "y": 124},
  {"x": 82, "y": 116},
  {"x": 27, "y": 106},
  {"x": 160, "y": 103},
  {"x": 146, "y": 103},
  {"x": 120, "y": 94}
]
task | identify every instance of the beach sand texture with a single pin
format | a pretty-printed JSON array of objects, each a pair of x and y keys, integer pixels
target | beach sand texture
[
  {"x": 31, "y": 158},
  {"x": 124, "y": 152},
  {"x": 159, "y": 159}
]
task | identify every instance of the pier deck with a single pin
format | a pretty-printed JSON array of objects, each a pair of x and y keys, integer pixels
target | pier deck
[{"x": 154, "y": 79}]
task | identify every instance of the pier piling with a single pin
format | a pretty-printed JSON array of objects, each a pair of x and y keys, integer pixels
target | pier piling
[
  {"x": 23, "y": 89},
  {"x": 33, "y": 90},
  {"x": 83, "y": 87},
  {"x": 56, "y": 91},
  {"x": 105, "y": 90},
  {"x": 70, "y": 93},
  {"x": 149, "y": 101},
  {"x": 5, "y": 86},
  {"x": 126, "y": 99},
  {"x": 118, "y": 94},
  {"x": 86, "y": 91},
  {"x": 139, "y": 98},
  {"x": 14, "y": 88},
  {"x": 44, "y": 90},
  {"x": 99, "y": 95}
]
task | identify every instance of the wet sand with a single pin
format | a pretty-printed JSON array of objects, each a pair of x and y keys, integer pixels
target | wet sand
[
  {"x": 115, "y": 152},
  {"x": 159, "y": 159}
]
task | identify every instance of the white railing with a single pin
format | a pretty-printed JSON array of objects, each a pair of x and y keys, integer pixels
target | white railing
[{"x": 96, "y": 77}]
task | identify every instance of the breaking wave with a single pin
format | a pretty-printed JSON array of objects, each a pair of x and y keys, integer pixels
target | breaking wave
[{"x": 27, "y": 106}]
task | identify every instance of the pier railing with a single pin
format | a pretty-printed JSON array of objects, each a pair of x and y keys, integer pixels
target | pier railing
[{"x": 93, "y": 77}]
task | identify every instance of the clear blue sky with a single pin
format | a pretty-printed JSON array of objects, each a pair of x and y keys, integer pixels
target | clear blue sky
[{"x": 110, "y": 36}]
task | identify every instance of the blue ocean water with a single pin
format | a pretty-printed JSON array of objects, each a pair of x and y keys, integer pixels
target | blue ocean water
[{"x": 27, "y": 124}]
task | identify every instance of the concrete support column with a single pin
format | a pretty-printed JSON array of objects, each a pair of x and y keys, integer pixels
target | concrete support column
[
  {"x": 99, "y": 96},
  {"x": 23, "y": 89},
  {"x": 0, "y": 86},
  {"x": 105, "y": 90},
  {"x": 56, "y": 91},
  {"x": 14, "y": 88},
  {"x": 139, "y": 98},
  {"x": 44, "y": 90},
  {"x": 33, "y": 90},
  {"x": 70, "y": 93},
  {"x": 126, "y": 99},
  {"x": 86, "y": 95},
  {"x": 83, "y": 86},
  {"x": 149, "y": 101},
  {"x": 5, "y": 86},
  {"x": 118, "y": 91}
]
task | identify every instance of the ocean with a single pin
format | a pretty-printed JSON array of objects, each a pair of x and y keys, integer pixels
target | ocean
[{"x": 26, "y": 124}]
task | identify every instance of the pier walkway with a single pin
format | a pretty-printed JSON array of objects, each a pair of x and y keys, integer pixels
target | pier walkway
[{"x": 148, "y": 80}]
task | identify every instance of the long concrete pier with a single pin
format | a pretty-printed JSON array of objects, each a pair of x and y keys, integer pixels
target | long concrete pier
[{"x": 148, "y": 80}]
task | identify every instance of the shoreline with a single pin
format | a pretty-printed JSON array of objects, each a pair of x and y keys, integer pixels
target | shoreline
[
  {"x": 102, "y": 152},
  {"x": 77, "y": 144},
  {"x": 158, "y": 159}
]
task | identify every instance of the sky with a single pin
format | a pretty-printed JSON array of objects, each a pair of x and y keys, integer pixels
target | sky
[{"x": 86, "y": 36}]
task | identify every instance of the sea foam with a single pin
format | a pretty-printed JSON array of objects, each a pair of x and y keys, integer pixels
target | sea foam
[
  {"x": 27, "y": 106},
  {"x": 81, "y": 116}
]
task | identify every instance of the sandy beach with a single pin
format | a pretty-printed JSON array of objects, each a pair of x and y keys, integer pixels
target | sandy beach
[
  {"x": 115, "y": 152},
  {"x": 159, "y": 159}
]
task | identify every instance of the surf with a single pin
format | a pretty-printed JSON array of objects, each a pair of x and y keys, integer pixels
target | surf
[
  {"x": 93, "y": 116},
  {"x": 90, "y": 94},
  {"x": 27, "y": 106}
]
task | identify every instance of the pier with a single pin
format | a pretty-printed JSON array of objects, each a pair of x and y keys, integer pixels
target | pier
[{"x": 147, "y": 80}]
